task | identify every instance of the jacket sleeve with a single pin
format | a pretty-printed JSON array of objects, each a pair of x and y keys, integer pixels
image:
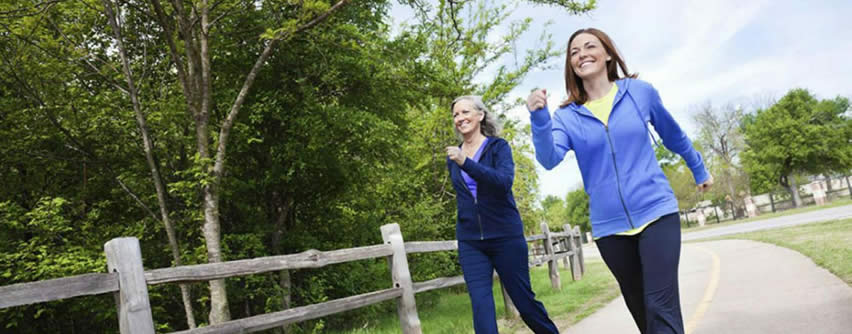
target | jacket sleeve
[
  {"x": 501, "y": 176},
  {"x": 674, "y": 138},
  {"x": 550, "y": 138}
]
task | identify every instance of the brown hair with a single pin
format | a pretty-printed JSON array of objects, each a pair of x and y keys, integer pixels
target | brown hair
[{"x": 574, "y": 84}]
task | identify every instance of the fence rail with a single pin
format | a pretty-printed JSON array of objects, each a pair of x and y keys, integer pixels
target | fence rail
[{"x": 129, "y": 281}]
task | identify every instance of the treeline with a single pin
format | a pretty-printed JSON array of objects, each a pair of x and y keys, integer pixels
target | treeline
[{"x": 220, "y": 130}]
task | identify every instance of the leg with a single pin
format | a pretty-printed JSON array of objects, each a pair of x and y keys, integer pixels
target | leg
[
  {"x": 621, "y": 255},
  {"x": 512, "y": 264},
  {"x": 659, "y": 247},
  {"x": 478, "y": 270}
]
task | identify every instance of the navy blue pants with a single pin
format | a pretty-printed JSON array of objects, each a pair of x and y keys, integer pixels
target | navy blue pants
[
  {"x": 479, "y": 259},
  {"x": 645, "y": 266}
]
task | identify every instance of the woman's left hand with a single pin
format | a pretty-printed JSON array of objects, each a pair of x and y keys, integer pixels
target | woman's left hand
[
  {"x": 706, "y": 185},
  {"x": 455, "y": 154}
]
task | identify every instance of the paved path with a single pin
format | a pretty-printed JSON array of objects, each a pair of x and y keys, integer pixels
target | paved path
[
  {"x": 839, "y": 212},
  {"x": 738, "y": 286}
]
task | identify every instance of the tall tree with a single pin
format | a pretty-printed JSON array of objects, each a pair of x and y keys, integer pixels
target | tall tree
[
  {"x": 798, "y": 134},
  {"x": 720, "y": 134}
]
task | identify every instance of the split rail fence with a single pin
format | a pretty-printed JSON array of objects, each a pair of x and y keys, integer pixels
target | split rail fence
[{"x": 129, "y": 281}]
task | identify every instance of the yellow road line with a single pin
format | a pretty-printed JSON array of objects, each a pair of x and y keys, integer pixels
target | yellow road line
[{"x": 709, "y": 292}]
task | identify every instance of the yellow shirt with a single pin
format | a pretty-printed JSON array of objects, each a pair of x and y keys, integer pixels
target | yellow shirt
[{"x": 601, "y": 108}]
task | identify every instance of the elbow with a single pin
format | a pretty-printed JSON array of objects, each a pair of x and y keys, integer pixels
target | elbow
[{"x": 548, "y": 164}]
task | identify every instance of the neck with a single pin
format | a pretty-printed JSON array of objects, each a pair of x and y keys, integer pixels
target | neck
[
  {"x": 597, "y": 87},
  {"x": 474, "y": 137}
]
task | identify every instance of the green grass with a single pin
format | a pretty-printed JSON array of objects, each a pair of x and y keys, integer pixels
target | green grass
[
  {"x": 711, "y": 223},
  {"x": 448, "y": 310},
  {"x": 828, "y": 244}
]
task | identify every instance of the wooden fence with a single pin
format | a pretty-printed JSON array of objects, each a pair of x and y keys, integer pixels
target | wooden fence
[{"x": 128, "y": 280}]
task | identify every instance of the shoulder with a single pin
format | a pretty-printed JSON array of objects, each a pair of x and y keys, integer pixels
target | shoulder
[
  {"x": 636, "y": 86},
  {"x": 497, "y": 142}
]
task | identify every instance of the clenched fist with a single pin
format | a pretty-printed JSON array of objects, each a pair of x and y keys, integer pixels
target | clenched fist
[
  {"x": 706, "y": 185},
  {"x": 537, "y": 100},
  {"x": 455, "y": 154}
]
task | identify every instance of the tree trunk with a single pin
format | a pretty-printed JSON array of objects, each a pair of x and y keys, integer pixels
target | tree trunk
[
  {"x": 282, "y": 210},
  {"x": 794, "y": 190},
  {"x": 148, "y": 147},
  {"x": 828, "y": 184},
  {"x": 731, "y": 191},
  {"x": 849, "y": 186},
  {"x": 219, "y": 311}
]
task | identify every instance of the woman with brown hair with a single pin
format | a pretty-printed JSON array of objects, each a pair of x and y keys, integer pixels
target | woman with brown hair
[{"x": 633, "y": 210}]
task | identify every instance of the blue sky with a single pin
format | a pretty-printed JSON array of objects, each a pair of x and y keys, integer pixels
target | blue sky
[{"x": 721, "y": 51}]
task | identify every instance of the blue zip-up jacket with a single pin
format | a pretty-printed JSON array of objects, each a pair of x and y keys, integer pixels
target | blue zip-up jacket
[
  {"x": 620, "y": 171},
  {"x": 493, "y": 213}
]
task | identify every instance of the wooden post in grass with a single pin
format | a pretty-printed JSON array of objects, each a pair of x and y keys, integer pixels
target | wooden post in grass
[
  {"x": 565, "y": 244},
  {"x": 579, "y": 249},
  {"x": 407, "y": 307},
  {"x": 134, "y": 310},
  {"x": 508, "y": 305},
  {"x": 551, "y": 262},
  {"x": 572, "y": 247}
]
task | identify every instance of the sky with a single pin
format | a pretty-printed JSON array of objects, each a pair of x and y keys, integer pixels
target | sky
[{"x": 694, "y": 52}]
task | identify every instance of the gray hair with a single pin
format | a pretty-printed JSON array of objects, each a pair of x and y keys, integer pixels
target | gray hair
[{"x": 489, "y": 125}]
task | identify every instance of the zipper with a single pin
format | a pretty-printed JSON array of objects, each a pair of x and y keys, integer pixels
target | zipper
[
  {"x": 475, "y": 201},
  {"x": 617, "y": 178},
  {"x": 476, "y": 207}
]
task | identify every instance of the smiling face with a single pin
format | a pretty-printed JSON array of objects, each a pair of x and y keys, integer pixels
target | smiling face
[
  {"x": 588, "y": 56},
  {"x": 466, "y": 117}
]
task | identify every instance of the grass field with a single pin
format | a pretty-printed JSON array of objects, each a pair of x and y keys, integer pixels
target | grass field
[{"x": 449, "y": 310}]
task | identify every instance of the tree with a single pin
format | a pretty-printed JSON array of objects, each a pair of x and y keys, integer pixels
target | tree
[
  {"x": 577, "y": 209},
  {"x": 679, "y": 176},
  {"x": 720, "y": 134},
  {"x": 798, "y": 134},
  {"x": 554, "y": 211}
]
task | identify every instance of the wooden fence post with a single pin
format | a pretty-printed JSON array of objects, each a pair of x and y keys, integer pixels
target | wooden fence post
[
  {"x": 134, "y": 310},
  {"x": 551, "y": 263},
  {"x": 579, "y": 248},
  {"x": 568, "y": 261},
  {"x": 407, "y": 307},
  {"x": 511, "y": 311},
  {"x": 575, "y": 263}
]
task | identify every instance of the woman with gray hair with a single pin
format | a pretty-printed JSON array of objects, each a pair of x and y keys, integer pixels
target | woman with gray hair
[{"x": 488, "y": 226}]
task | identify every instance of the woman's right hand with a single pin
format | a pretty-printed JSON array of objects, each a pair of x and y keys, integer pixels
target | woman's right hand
[{"x": 537, "y": 100}]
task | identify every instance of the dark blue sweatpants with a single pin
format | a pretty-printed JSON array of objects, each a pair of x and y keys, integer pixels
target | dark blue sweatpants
[
  {"x": 645, "y": 266},
  {"x": 479, "y": 259}
]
